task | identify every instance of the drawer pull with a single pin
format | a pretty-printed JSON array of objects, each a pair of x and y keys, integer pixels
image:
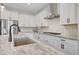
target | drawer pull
[
  {"x": 68, "y": 20},
  {"x": 62, "y": 46},
  {"x": 62, "y": 40}
]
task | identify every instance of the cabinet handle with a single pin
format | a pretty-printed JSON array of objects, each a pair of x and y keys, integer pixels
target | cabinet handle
[
  {"x": 68, "y": 20},
  {"x": 62, "y": 40},
  {"x": 46, "y": 40},
  {"x": 62, "y": 46}
]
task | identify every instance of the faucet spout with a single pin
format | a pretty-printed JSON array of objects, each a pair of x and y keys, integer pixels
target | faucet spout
[{"x": 10, "y": 34}]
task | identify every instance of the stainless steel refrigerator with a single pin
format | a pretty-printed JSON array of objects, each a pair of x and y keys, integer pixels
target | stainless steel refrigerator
[{"x": 5, "y": 26}]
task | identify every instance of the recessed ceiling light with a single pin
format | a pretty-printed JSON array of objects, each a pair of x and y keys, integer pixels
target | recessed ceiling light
[{"x": 28, "y": 4}]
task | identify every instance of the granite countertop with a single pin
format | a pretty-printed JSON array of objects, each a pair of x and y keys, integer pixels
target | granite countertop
[
  {"x": 7, "y": 48},
  {"x": 60, "y": 36},
  {"x": 52, "y": 34},
  {"x": 43, "y": 45}
]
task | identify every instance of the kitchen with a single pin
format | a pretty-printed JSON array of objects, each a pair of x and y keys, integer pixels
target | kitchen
[{"x": 51, "y": 29}]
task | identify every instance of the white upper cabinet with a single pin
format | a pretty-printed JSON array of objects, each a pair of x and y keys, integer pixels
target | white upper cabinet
[
  {"x": 20, "y": 20},
  {"x": 26, "y": 20},
  {"x": 23, "y": 19},
  {"x": 68, "y": 13},
  {"x": 10, "y": 15},
  {"x": 14, "y": 15}
]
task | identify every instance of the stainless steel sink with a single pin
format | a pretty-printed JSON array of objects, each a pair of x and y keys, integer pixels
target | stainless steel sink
[{"x": 23, "y": 41}]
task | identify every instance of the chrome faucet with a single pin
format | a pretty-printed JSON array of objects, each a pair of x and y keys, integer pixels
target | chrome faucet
[{"x": 10, "y": 34}]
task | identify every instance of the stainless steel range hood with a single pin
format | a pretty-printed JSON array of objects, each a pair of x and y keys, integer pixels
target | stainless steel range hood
[{"x": 53, "y": 13}]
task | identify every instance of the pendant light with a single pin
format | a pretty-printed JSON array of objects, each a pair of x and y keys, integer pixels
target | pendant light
[{"x": 2, "y": 7}]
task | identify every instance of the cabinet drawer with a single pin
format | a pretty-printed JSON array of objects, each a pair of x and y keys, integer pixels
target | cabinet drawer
[
  {"x": 70, "y": 47},
  {"x": 69, "y": 50},
  {"x": 71, "y": 42}
]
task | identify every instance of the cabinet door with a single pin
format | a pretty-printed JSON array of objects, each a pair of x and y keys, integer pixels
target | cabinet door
[
  {"x": 20, "y": 20},
  {"x": 58, "y": 43},
  {"x": 63, "y": 13},
  {"x": 14, "y": 15},
  {"x": 72, "y": 13},
  {"x": 43, "y": 37},
  {"x": 70, "y": 50},
  {"x": 46, "y": 39},
  {"x": 44, "y": 23},
  {"x": 68, "y": 13},
  {"x": 49, "y": 40},
  {"x": 52, "y": 41},
  {"x": 70, "y": 47},
  {"x": 26, "y": 20}
]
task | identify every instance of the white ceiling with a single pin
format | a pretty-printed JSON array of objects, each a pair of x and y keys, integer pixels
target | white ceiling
[{"x": 33, "y": 8}]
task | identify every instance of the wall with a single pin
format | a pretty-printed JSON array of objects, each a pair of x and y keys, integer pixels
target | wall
[
  {"x": 26, "y": 29},
  {"x": 40, "y": 17},
  {"x": 55, "y": 26},
  {"x": 70, "y": 31}
]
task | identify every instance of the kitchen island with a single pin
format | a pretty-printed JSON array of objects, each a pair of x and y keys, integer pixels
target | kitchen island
[
  {"x": 58, "y": 44},
  {"x": 8, "y": 48},
  {"x": 40, "y": 44}
]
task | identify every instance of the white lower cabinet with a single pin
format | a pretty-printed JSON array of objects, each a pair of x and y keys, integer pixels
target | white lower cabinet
[
  {"x": 67, "y": 46},
  {"x": 69, "y": 50},
  {"x": 55, "y": 42},
  {"x": 70, "y": 47},
  {"x": 44, "y": 38},
  {"x": 51, "y": 42}
]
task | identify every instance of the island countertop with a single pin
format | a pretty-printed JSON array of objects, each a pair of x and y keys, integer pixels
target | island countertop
[{"x": 7, "y": 48}]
